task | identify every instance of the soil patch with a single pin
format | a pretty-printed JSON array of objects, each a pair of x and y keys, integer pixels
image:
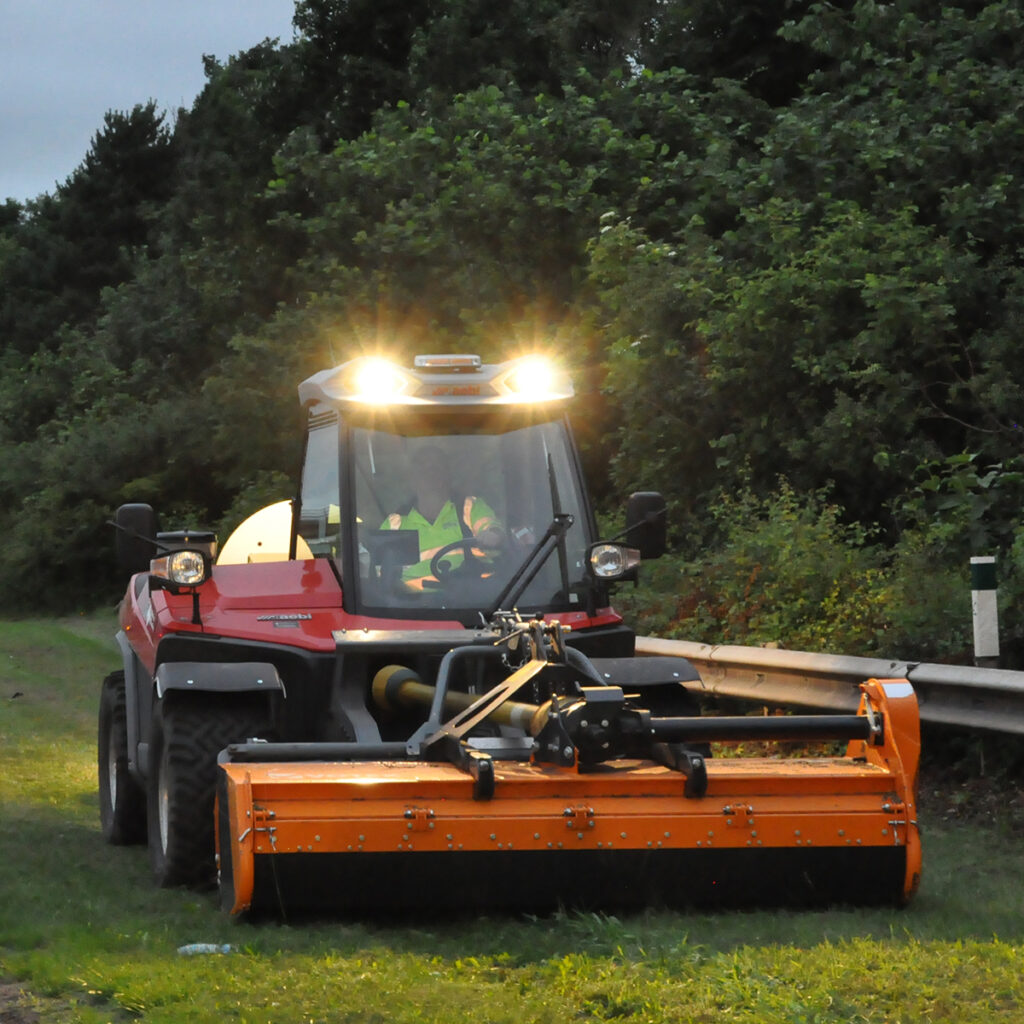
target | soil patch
[{"x": 15, "y": 1005}]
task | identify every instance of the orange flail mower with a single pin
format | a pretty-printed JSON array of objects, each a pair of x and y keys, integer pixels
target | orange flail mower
[
  {"x": 597, "y": 803},
  {"x": 407, "y": 688}
]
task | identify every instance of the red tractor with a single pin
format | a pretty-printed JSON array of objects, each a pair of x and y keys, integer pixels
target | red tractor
[{"x": 408, "y": 686}]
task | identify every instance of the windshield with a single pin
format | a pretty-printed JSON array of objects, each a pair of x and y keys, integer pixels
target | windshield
[{"x": 443, "y": 516}]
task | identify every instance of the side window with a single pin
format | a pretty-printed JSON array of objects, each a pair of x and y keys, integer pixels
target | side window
[{"x": 320, "y": 513}]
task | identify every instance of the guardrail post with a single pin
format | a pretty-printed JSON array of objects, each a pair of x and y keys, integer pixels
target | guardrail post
[{"x": 985, "y": 610}]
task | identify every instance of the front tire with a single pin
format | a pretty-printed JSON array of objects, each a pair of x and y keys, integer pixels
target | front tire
[
  {"x": 189, "y": 731},
  {"x": 122, "y": 799}
]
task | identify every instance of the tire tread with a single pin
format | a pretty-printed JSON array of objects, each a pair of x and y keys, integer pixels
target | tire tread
[{"x": 193, "y": 729}]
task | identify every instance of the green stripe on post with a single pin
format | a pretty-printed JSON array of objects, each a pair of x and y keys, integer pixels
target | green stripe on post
[{"x": 985, "y": 609}]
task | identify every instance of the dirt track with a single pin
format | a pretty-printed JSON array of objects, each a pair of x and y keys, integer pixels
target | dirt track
[{"x": 14, "y": 1008}]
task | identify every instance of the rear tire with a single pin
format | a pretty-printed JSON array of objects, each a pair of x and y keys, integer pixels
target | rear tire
[
  {"x": 189, "y": 731},
  {"x": 122, "y": 799}
]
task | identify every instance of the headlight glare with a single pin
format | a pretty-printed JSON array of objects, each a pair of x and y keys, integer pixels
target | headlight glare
[
  {"x": 533, "y": 379},
  {"x": 379, "y": 381}
]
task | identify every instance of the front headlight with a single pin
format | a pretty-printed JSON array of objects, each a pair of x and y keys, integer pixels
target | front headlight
[
  {"x": 612, "y": 561},
  {"x": 184, "y": 568}
]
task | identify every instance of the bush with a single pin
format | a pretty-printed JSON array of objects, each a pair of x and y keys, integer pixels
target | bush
[{"x": 790, "y": 571}]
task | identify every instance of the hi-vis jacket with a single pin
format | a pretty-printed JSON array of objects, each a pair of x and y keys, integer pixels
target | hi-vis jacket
[{"x": 476, "y": 515}]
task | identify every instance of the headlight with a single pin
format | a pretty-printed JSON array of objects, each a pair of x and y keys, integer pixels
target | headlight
[
  {"x": 184, "y": 568},
  {"x": 612, "y": 561}
]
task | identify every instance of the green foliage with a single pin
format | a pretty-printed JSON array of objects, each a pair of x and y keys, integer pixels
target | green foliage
[
  {"x": 963, "y": 506},
  {"x": 61, "y": 251},
  {"x": 458, "y": 223},
  {"x": 266, "y": 488},
  {"x": 927, "y": 603},
  {"x": 741, "y": 41},
  {"x": 958, "y": 508},
  {"x": 799, "y": 256},
  {"x": 856, "y": 276},
  {"x": 789, "y": 570}
]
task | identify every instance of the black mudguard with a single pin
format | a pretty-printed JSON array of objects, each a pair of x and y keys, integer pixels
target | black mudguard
[{"x": 218, "y": 677}]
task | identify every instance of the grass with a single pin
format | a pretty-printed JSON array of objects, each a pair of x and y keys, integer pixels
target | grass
[{"x": 88, "y": 939}]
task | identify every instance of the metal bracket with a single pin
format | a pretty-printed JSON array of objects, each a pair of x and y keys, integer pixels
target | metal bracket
[
  {"x": 874, "y": 722},
  {"x": 478, "y": 763},
  {"x": 904, "y": 820},
  {"x": 260, "y": 815},
  {"x": 419, "y": 819},
  {"x": 688, "y": 762},
  {"x": 738, "y": 815},
  {"x": 579, "y": 817}
]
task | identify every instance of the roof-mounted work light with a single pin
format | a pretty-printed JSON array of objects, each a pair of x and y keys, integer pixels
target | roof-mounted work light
[
  {"x": 377, "y": 380},
  {"x": 533, "y": 379}
]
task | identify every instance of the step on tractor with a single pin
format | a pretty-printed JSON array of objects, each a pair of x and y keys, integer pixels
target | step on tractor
[{"x": 407, "y": 689}]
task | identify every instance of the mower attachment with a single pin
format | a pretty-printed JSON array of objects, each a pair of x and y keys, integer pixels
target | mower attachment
[{"x": 584, "y": 800}]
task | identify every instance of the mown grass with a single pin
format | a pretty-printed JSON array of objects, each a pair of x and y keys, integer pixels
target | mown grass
[{"x": 89, "y": 939}]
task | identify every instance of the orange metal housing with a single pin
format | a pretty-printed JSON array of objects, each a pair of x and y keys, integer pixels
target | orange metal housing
[{"x": 408, "y": 834}]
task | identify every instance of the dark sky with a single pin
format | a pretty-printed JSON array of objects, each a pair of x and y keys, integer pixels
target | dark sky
[{"x": 64, "y": 63}]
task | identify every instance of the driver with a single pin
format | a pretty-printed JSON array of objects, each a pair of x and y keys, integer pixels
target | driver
[{"x": 441, "y": 516}]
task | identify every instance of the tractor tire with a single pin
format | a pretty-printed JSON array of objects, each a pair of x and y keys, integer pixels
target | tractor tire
[
  {"x": 189, "y": 731},
  {"x": 122, "y": 798}
]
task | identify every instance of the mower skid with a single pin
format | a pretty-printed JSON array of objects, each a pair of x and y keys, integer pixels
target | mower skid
[{"x": 409, "y": 835}]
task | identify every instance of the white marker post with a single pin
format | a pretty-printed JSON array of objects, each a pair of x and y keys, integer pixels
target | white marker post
[{"x": 984, "y": 607}]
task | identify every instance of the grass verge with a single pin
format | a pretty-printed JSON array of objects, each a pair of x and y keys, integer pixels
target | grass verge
[{"x": 87, "y": 939}]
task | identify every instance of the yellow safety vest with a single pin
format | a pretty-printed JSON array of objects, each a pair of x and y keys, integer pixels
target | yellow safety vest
[{"x": 476, "y": 514}]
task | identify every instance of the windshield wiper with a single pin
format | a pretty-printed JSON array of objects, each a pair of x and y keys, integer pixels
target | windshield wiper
[
  {"x": 556, "y": 508},
  {"x": 554, "y": 536}
]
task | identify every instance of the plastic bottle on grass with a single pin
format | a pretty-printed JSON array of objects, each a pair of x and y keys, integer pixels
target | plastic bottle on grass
[{"x": 198, "y": 948}]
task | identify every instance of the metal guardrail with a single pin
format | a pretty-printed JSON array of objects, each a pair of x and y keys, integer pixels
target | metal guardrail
[{"x": 960, "y": 695}]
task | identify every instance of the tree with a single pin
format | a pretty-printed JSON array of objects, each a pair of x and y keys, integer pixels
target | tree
[
  {"x": 66, "y": 248},
  {"x": 848, "y": 301},
  {"x": 785, "y": 236},
  {"x": 744, "y": 42}
]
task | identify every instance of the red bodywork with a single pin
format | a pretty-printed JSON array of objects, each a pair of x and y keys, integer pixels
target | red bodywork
[{"x": 236, "y": 601}]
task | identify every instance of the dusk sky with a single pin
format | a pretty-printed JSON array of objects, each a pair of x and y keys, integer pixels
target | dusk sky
[{"x": 64, "y": 63}]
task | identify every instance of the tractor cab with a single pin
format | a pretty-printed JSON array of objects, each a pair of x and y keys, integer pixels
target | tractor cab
[{"x": 454, "y": 489}]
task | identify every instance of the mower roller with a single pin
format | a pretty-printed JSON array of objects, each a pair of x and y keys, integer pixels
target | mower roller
[{"x": 342, "y": 711}]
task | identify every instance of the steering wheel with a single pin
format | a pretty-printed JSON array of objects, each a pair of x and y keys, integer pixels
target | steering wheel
[{"x": 442, "y": 571}]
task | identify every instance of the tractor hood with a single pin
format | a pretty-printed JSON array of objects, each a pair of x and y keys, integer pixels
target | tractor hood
[{"x": 279, "y": 586}]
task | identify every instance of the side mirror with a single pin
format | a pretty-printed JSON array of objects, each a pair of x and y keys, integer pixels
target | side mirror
[
  {"x": 134, "y": 541},
  {"x": 646, "y": 523}
]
